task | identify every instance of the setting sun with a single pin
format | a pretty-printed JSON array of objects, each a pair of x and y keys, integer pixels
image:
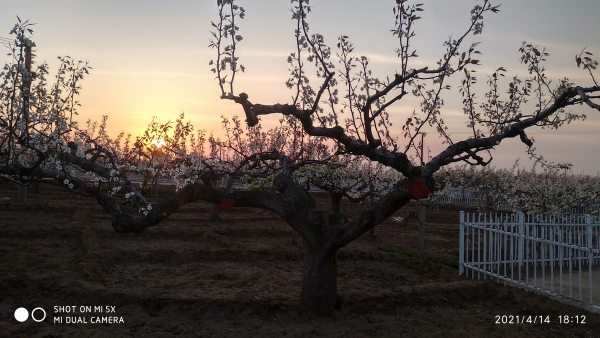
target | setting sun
[{"x": 158, "y": 143}]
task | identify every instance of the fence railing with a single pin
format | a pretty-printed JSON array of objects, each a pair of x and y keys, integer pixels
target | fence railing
[
  {"x": 555, "y": 255},
  {"x": 470, "y": 201}
]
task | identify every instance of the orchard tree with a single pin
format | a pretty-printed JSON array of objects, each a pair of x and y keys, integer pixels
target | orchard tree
[
  {"x": 36, "y": 115},
  {"x": 349, "y": 107}
]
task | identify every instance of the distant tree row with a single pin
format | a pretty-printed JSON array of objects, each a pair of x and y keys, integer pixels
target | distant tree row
[{"x": 546, "y": 190}]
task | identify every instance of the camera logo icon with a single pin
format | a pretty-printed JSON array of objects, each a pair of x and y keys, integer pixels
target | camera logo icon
[{"x": 37, "y": 315}]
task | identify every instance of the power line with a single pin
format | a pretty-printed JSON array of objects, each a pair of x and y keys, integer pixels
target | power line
[
  {"x": 6, "y": 42},
  {"x": 579, "y": 132}
]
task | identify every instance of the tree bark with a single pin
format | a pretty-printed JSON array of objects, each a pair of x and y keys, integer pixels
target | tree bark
[
  {"x": 319, "y": 284},
  {"x": 336, "y": 199}
]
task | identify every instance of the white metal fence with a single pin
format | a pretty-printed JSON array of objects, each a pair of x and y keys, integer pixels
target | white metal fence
[
  {"x": 555, "y": 255},
  {"x": 467, "y": 201},
  {"x": 471, "y": 201}
]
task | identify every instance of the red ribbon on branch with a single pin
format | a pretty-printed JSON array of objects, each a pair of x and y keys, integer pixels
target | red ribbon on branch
[{"x": 418, "y": 189}]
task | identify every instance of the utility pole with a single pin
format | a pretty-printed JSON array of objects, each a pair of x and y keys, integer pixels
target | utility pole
[
  {"x": 371, "y": 202},
  {"x": 26, "y": 76},
  {"x": 421, "y": 209},
  {"x": 422, "y": 220},
  {"x": 26, "y": 85},
  {"x": 422, "y": 149}
]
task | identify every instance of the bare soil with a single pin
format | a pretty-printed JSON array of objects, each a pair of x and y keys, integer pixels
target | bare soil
[{"x": 240, "y": 277}]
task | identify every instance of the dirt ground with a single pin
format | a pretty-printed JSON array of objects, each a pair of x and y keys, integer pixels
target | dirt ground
[{"x": 240, "y": 277}]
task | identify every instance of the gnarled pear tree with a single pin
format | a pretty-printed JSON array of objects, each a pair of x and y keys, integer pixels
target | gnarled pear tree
[{"x": 349, "y": 108}]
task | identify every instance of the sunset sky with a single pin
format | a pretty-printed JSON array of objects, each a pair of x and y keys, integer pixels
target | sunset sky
[{"x": 150, "y": 57}]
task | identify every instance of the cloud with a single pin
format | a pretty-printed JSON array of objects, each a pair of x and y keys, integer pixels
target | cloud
[
  {"x": 264, "y": 53},
  {"x": 394, "y": 60},
  {"x": 554, "y": 46},
  {"x": 157, "y": 74}
]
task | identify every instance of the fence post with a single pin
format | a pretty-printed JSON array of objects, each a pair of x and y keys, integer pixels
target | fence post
[
  {"x": 421, "y": 237},
  {"x": 521, "y": 238},
  {"x": 588, "y": 222},
  {"x": 461, "y": 245}
]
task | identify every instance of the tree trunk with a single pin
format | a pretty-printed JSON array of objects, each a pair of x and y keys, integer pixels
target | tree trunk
[
  {"x": 336, "y": 200},
  {"x": 319, "y": 284}
]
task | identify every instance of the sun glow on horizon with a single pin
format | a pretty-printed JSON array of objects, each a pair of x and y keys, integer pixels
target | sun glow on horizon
[
  {"x": 158, "y": 143},
  {"x": 156, "y": 64}
]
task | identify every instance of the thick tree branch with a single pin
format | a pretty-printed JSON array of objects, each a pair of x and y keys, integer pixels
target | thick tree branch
[
  {"x": 511, "y": 130},
  {"x": 288, "y": 200},
  {"x": 386, "y": 206},
  {"x": 398, "y": 161}
]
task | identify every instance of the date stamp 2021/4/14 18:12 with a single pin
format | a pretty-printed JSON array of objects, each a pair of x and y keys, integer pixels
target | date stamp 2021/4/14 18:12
[{"x": 540, "y": 319}]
